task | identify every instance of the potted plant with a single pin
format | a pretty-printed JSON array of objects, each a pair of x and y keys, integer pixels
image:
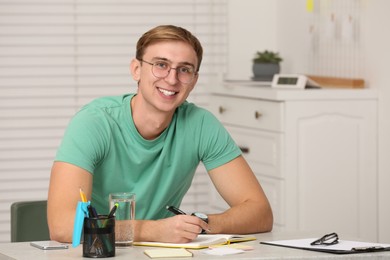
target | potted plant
[{"x": 265, "y": 65}]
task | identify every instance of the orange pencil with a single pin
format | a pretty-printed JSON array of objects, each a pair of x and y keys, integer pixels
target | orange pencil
[{"x": 82, "y": 195}]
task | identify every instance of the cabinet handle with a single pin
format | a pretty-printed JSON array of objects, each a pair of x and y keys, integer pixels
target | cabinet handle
[
  {"x": 221, "y": 109},
  {"x": 244, "y": 149},
  {"x": 258, "y": 114}
]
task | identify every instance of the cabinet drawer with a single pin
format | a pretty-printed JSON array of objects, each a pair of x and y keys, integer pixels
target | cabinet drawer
[
  {"x": 260, "y": 114},
  {"x": 261, "y": 149}
]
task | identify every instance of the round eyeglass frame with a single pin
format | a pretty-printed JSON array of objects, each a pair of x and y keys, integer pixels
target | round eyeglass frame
[{"x": 168, "y": 71}]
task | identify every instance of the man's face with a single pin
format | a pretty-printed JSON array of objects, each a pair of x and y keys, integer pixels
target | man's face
[{"x": 165, "y": 94}]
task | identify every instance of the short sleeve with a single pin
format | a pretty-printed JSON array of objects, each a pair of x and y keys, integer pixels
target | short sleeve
[
  {"x": 85, "y": 140},
  {"x": 217, "y": 146}
]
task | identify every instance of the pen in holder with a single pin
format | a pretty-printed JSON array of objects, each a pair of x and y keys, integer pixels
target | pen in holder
[{"x": 99, "y": 236}]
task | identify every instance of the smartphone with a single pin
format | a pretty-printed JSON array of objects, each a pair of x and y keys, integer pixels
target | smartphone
[{"x": 49, "y": 245}]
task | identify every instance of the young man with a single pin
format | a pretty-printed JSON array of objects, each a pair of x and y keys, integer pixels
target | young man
[{"x": 151, "y": 143}]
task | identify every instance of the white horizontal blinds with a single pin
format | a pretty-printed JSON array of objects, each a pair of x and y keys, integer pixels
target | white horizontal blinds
[
  {"x": 105, "y": 46},
  {"x": 37, "y": 91},
  {"x": 57, "y": 55},
  {"x": 211, "y": 28}
]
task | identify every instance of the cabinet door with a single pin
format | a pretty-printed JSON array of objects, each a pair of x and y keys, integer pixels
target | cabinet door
[{"x": 331, "y": 167}]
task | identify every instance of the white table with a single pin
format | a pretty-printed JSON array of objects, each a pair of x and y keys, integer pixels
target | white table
[{"x": 23, "y": 250}]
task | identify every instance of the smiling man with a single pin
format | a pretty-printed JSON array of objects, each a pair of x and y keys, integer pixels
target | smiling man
[{"x": 151, "y": 143}]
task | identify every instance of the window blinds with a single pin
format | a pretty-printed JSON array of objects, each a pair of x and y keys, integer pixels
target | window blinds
[{"x": 57, "y": 55}]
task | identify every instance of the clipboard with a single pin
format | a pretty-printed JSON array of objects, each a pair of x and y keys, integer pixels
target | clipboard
[{"x": 343, "y": 247}]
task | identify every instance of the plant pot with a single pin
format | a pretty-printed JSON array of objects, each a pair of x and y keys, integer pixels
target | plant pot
[{"x": 265, "y": 71}]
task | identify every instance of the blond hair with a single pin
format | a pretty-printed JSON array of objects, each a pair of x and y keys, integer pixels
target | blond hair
[{"x": 168, "y": 33}]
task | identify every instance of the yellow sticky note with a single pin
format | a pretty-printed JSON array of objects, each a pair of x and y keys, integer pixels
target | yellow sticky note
[
  {"x": 309, "y": 5},
  {"x": 167, "y": 252}
]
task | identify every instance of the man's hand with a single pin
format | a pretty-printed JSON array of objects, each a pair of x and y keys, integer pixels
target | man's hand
[{"x": 177, "y": 229}]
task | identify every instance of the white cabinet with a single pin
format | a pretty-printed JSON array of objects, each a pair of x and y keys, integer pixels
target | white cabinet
[{"x": 314, "y": 152}]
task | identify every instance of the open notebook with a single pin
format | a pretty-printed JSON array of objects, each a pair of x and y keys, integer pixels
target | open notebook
[{"x": 202, "y": 241}]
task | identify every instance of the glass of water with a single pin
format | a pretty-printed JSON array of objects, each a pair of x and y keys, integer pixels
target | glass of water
[{"x": 124, "y": 217}]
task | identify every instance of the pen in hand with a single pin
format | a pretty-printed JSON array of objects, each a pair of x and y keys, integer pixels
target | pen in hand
[{"x": 175, "y": 210}]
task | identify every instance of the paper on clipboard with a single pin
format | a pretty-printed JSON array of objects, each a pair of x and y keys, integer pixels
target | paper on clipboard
[{"x": 343, "y": 247}]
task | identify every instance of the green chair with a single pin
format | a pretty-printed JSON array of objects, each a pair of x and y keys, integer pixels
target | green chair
[{"x": 29, "y": 221}]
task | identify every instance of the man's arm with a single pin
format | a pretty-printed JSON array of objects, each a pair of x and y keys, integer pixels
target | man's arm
[
  {"x": 64, "y": 193},
  {"x": 250, "y": 211},
  {"x": 65, "y": 183}
]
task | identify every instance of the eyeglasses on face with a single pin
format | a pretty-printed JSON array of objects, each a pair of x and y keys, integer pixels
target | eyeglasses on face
[
  {"x": 161, "y": 69},
  {"x": 328, "y": 239}
]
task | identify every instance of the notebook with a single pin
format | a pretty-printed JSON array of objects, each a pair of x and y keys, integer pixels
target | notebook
[{"x": 202, "y": 241}]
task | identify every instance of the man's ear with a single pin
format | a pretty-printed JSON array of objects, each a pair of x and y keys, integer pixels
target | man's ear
[{"x": 135, "y": 69}]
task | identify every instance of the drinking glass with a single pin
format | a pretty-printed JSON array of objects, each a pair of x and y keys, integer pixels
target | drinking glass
[{"x": 124, "y": 217}]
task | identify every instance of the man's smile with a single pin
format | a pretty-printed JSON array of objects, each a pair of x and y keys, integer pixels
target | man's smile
[{"x": 167, "y": 92}]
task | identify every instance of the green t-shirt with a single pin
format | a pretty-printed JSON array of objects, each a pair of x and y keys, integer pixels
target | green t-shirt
[{"x": 102, "y": 139}]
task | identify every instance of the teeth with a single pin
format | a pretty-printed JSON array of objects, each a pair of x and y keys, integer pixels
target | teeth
[{"x": 167, "y": 92}]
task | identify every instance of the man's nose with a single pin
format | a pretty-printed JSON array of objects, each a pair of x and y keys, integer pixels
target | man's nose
[{"x": 171, "y": 78}]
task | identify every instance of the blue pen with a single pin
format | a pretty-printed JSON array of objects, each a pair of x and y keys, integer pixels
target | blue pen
[{"x": 92, "y": 212}]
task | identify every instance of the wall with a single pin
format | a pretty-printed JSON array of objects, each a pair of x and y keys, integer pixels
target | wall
[
  {"x": 377, "y": 42},
  {"x": 252, "y": 27},
  {"x": 292, "y": 38},
  {"x": 264, "y": 24}
]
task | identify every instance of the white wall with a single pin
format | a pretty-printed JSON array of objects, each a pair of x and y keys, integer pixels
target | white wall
[
  {"x": 256, "y": 25},
  {"x": 252, "y": 27},
  {"x": 292, "y": 36},
  {"x": 377, "y": 56}
]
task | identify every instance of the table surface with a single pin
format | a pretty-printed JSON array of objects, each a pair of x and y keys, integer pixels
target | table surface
[{"x": 23, "y": 250}]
